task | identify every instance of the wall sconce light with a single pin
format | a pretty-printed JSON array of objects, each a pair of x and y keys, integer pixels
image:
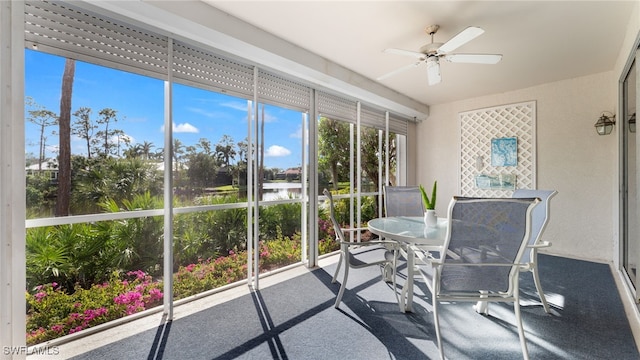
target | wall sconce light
[
  {"x": 632, "y": 123},
  {"x": 605, "y": 123}
]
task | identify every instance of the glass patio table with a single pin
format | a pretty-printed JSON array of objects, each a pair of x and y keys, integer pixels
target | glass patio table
[{"x": 410, "y": 232}]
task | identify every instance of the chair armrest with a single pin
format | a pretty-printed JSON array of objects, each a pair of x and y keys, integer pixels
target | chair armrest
[
  {"x": 423, "y": 254},
  {"x": 353, "y": 229},
  {"x": 541, "y": 244},
  {"x": 369, "y": 243}
]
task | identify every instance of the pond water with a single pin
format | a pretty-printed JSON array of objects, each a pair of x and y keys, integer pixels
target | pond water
[{"x": 279, "y": 191}]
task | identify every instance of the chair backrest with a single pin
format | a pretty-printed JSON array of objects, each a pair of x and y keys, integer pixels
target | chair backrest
[
  {"x": 539, "y": 216},
  {"x": 403, "y": 201},
  {"x": 485, "y": 241},
  {"x": 332, "y": 216}
]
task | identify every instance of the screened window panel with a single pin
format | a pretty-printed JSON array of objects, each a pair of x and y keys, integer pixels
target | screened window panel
[
  {"x": 68, "y": 31},
  {"x": 276, "y": 90},
  {"x": 206, "y": 70},
  {"x": 333, "y": 106}
]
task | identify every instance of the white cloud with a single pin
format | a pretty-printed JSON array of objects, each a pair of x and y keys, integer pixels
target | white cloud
[
  {"x": 182, "y": 128},
  {"x": 209, "y": 114},
  {"x": 297, "y": 134},
  {"x": 277, "y": 151},
  {"x": 185, "y": 128},
  {"x": 236, "y": 105},
  {"x": 268, "y": 118}
]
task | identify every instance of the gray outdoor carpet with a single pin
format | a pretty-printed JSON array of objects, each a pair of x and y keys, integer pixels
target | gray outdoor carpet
[{"x": 296, "y": 320}]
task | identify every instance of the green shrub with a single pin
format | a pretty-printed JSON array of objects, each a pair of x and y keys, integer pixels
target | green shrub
[{"x": 280, "y": 219}]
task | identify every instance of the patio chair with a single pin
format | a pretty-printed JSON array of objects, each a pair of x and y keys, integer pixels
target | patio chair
[
  {"x": 539, "y": 219},
  {"x": 403, "y": 201},
  {"x": 351, "y": 258},
  {"x": 486, "y": 238}
]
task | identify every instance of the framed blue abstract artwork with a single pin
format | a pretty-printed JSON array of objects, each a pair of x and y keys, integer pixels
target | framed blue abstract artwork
[{"x": 504, "y": 151}]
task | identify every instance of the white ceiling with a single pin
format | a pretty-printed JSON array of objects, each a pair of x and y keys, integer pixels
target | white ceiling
[{"x": 541, "y": 41}]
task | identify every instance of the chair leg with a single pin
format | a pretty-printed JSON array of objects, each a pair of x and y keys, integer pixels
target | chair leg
[
  {"x": 395, "y": 274},
  {"x": 388, "y": 273},
  {"x": 344, "y": 281},
  {"x": 482, "y": 307},
  {"x": 523, "y": 341},
  {"x": 436, "y": 323},
  {"x": 335, "y": 275},
  {"x": 536, "y": 280}
]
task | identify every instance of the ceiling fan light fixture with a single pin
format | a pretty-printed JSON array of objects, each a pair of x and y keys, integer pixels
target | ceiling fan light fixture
[{"x": 433, "y": 70}]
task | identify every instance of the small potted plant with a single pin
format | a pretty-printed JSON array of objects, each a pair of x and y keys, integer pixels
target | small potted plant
[{"x": 430, "y": 218}]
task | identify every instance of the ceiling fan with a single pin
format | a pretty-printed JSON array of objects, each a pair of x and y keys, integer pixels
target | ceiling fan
[{"x": 431, "y": 53}]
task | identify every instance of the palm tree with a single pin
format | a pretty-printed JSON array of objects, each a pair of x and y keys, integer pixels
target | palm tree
[
  {"x": 146, "y": 149},
  {"x": 225, "y": 150}
]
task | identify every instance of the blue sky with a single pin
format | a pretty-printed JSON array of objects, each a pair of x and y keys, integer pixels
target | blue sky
[{"x": 139, "y": 102}]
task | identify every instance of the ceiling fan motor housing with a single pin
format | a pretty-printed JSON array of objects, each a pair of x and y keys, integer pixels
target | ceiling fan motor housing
[{"x": 430, "y": 49}]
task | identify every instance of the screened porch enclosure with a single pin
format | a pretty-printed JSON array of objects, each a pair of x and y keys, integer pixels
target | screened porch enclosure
[{"x": 175, "y": 153}]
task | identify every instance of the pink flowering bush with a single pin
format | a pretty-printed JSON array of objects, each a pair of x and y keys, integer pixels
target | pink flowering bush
[
  {"x": 279, "y": 253},
  {"x": 52, "y": 312},
  {"x": 209, "y": 274},
  {"x": 327, "y": 236}
]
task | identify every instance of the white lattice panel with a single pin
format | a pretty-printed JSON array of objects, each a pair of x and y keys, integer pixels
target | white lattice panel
[{"x": 478, "y": 127}]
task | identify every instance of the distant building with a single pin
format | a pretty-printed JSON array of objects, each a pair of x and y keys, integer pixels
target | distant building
[
  {"x": 291, "y": 174},
  {"x": 48, "y": 167}
]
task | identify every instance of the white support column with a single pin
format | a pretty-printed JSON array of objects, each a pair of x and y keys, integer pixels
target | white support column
[
  {"x": 352, "y": 181},
  {"x": 358, "y": 168},
  {"x": 249, "y": 184},
  {"x": 168, "y": 190},
  {"x": 12, "y": 182},
  {"x": 255, "y": 182},
  {"x": 304, "y": 220},
  {"x": 381, "y": 168},
  {"x": 312, "y": 139},
  {"x": 387, "y": 138}
]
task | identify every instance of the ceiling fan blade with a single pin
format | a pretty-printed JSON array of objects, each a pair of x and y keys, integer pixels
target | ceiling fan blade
[
  {"x": 460, "y": 39},
  {"x": 474, "y": 58},
  {"x": 404, "y": 52},
  {"x": 433, "y": 70},
  {"x": 397, "y": 71}
]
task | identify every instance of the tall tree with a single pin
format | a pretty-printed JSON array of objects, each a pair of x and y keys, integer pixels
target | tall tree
[
  {"x": 369, "y": 154},
  {"x": 64, "y": 160},
  {"x": 83, "y": 127},
  {"x": 146, "y": 149},
  {"x": 333, "y": 149},
  {"x": 121, "y": 141},
  {"x": 205, "y": 145},
  {"x": 178, "y": 155},
  {"x": 107, "y": 116},
  {"x": 225, "y": 150},
  {"x": 44, "y": 118}
]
